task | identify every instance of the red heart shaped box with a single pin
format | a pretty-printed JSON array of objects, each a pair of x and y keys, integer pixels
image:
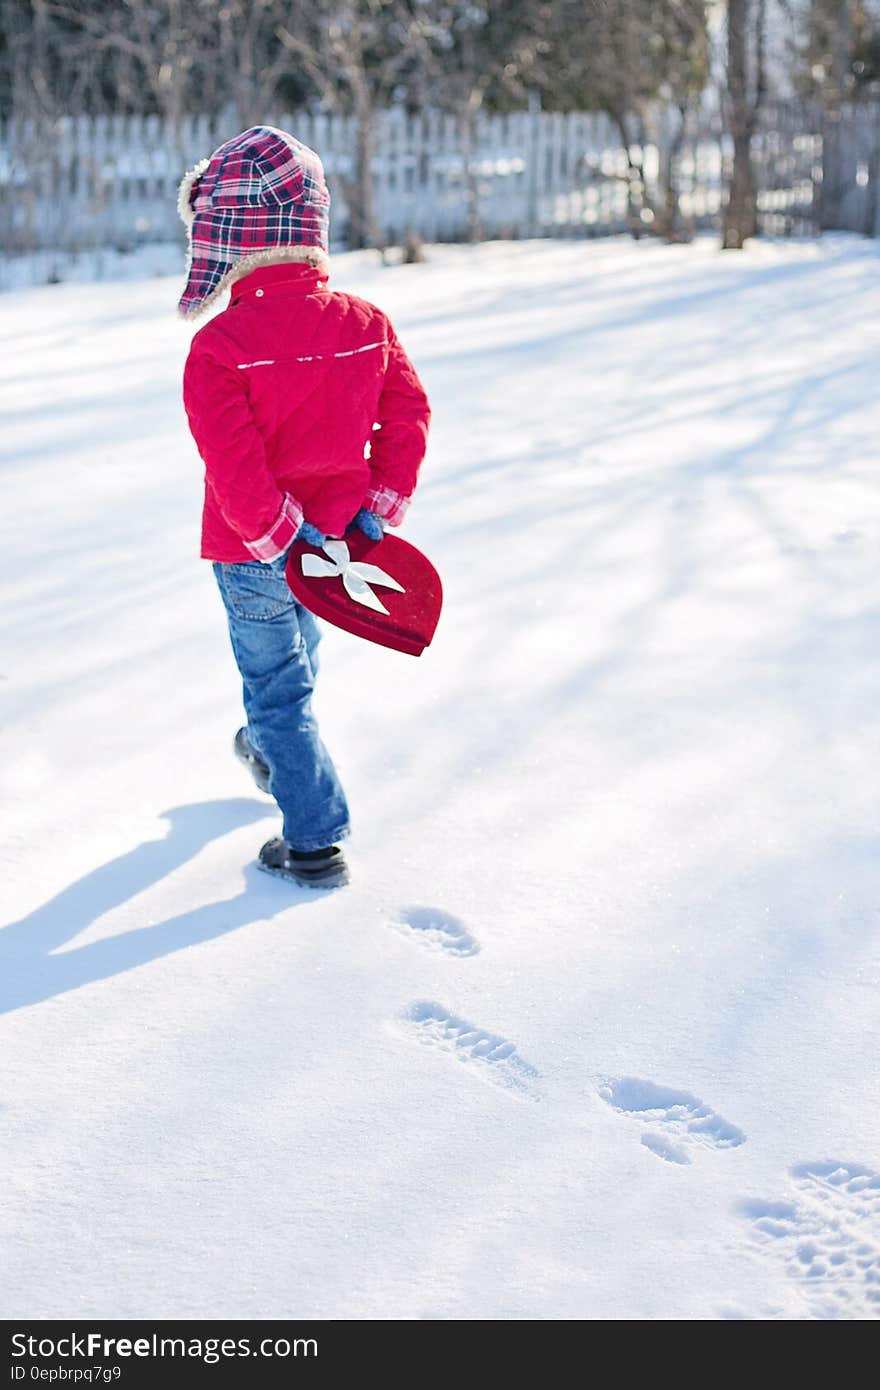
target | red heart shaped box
[{"x": 412, "y": 616}]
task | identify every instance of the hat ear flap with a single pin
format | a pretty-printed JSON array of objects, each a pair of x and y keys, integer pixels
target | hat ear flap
[{"x": 186, "y": 193}]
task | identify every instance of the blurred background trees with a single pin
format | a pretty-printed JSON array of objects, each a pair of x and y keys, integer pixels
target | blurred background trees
[
  {"x": 176, "y": 56},
  {"x": 654, "y": 68}
]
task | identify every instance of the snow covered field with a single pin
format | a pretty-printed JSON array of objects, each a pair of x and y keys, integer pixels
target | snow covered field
[{"x": 594, "y": 1032}]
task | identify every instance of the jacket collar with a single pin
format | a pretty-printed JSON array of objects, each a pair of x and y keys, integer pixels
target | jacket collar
[{"x": 290, "y": 277}]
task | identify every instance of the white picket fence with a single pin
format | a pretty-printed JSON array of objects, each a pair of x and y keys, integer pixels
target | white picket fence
[{"x": 111, "y": 181}]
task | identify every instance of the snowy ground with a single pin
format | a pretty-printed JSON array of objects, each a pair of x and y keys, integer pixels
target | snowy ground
[{"x": 594, "y": 1032}]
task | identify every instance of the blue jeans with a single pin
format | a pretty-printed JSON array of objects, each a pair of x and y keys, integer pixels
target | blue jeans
[{"x": 275, "y": 642}]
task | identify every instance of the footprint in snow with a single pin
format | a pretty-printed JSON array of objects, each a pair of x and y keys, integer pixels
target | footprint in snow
[
  {"x": 826, "y": 1228},
  {"x": 487, "y": 1055},
  {"x": 438, "y": 930},
  {"x": 678, "y": 1122}
]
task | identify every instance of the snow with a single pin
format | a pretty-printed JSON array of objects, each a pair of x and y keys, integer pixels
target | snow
[
  {"x": 50, "y": 267},
  {"x": 593, "y": 1034}
]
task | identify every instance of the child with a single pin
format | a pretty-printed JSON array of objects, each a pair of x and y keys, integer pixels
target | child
[{"x": 310, "y": 418}]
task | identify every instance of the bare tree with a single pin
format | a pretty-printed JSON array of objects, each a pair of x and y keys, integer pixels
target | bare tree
[
  {"x": 636, "y": 62},
  {"x": 152, "y": 45},
  {"x": 487, "y": 54},
  {"x": 355, "y": 54},
  {"x": 33, "y": 207},
  {"x": 744, "y": 96},
  {"x": 247, "y": 68}
]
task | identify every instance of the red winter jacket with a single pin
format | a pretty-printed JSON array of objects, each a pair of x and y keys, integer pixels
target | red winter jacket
[{"x": 301, "y": 402}]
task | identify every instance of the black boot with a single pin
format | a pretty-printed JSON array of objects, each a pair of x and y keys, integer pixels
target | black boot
[
  {"x": 314, "y": 868},
  {"x": 252, "y": 761}
]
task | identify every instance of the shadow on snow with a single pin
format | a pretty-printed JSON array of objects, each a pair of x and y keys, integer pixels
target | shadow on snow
[{"x": 33, "y": 967}]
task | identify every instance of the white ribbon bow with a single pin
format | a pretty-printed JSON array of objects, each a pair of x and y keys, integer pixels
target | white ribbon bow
[{"x": 353, "y": 573}]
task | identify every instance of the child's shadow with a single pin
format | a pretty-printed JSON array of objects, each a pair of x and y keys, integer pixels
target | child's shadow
[{"x": 29, "y": 972}]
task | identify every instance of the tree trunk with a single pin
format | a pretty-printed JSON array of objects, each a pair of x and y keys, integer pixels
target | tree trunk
[
  {"x": 474, "y": 227},
  {"x": 740, "y": 214},
  {"x": 670, "y": 224},
  {"x": 363, "y": 227},
  {"x": 831, "y": 188},
  {"x": 833, "y": 178}
]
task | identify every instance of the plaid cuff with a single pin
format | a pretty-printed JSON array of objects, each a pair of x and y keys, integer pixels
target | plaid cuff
[
  {"x": 281, "y": 533},
  {"x": 387, "y": 503}
]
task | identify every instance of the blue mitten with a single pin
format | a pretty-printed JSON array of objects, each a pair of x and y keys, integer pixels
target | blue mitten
[
  {"x": 311, "y": 535},
  {"x": 369, "y": 523}
]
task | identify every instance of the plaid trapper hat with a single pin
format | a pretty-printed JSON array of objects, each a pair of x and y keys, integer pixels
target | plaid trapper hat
[{"x": 260, "y": 199}]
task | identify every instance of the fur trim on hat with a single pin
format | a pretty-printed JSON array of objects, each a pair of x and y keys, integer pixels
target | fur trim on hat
[
  {"x": 276, "y": 255},
  {"x": 184, "y": 192}
]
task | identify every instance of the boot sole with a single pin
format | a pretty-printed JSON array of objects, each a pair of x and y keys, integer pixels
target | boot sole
[{"x": 339, "y": 879}]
